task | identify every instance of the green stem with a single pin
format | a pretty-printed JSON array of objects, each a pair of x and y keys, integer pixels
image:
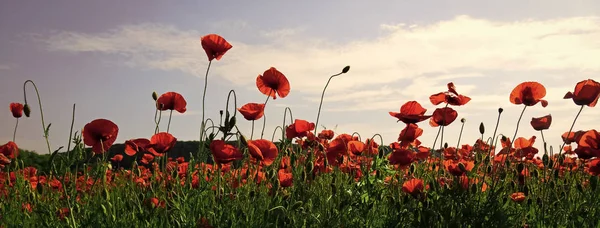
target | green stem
[
  {"x": 252, "y": 132},
  {"x": 265, "y": 116},
  {"x": 568, "y": 134},
  {"x": 321, "y": 103},
  {"x": 15, "y": 132},
  {"x": 71, "y": 133},
  {"x": 41, "y": 111},
  {"x": 200, "y": 147},
  {"x": 460, "y": 135},
  {"x": 169, "y": 124}
]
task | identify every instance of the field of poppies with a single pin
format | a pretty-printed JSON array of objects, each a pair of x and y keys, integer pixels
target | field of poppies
[{"x": 311, "y": 177}]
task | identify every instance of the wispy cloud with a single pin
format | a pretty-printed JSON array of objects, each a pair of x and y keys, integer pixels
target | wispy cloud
[{"x": 484, "y": 58}]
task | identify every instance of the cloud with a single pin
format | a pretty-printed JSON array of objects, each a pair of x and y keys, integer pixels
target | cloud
[
  {"x": 5, "y": 67},
  {"x": 485, "y": 59}
]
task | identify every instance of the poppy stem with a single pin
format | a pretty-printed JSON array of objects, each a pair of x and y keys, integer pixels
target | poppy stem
[
  {"x": 543, "y": 139},
  {"x": 15, "y": 132},
  {"x": 495, "y": 130},
  {"x": 156, "y": 130},
  {"x": 71, "y": 132},
  {"x": 291, "y": 121},
  {"x": 169, "y": 124},
  {"x": 252, "y": 132},
  {"x": 517, "y": 129},
  {"x": 436, "y": 137},
  {"x": 41, "y": 111},
  {"x": 155, "y": 121},
  {"x": 460, "y": 135},
  {"x": 569, "y": 134},
  {"x": 321, "y": 103},
  {"x": 203, "y": 125},
  {"x": 265, "y": 116}
]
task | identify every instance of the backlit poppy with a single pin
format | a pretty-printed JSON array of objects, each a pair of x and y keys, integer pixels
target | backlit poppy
[
  {"x": 518, "y": 197},
  {"x": 215, "y": 46},
  {"x": 588, "y": 145},
  {"x": 134, "y": 146},
  {"x": 263, "y": 150},
  {"x": 402, "y": 157},
  {"x": 16, "y": 109},
  {"x": 541, "y": 123},
  {"x": 100, "y": 134},
  {"x": 117, "y": 158},
  {"x": 409, "y": 134},
  {"x": 161, "y": 142},
  {"x": 285, "y": 178},
  {"x": 594, "y": 167},
  {"x": 529, "y": 94},
  {"x": 171, "y": 101},
  {"x": 10, "y": 150},
  {"x": 586, "y": 92},
  {"x": 411, "y": 112},
  {"x": 326, "y": 134},
  {"x": 443, "y": 117},
  {"x": 271, "y": 82},
  {"x": 413, "y": 187},
  {"x": 571, "y": 137},
  {"x": 252, "y": 111},
  {"x": 300, "y": 128},
  {"x": 450, "y": 97},
  {"x": 224, "y": 153}
]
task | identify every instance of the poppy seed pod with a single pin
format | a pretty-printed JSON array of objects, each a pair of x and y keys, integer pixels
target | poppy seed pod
[
  {"x": 26, "y": 110},
  {"x": 500, "y": 110},
  {"x": 346, "y": 69},
  {"x": 463, "y": 120}
]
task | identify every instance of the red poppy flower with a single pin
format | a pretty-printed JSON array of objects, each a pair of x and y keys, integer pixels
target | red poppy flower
[
  {"x": 451, "y": 97},
  {"x": 117, "y": 158},
  {"x": 413, "y": 187},
  {"x": 586, "y": 92},
  {"x": 541, "y": 123},
  {"x": 160, "y": 143},
  {"x": 409, "y": 134},
  {"x": 411, "y": 112},
  {"x": 402, "y": 157},
  {"x": 252, "y": 111},
  {"x": 326, "y": 134},
  {"x": 224, "y": 153},
  {"x": 518, "y": 197},
  {"x": 285, "y": 178},
  {"x": 588, "y": 145},
  {"x": 572, "y": 137},
  {"x": 132, "y": 147},
  {"x": 443, "y": 117},
  {"x": 100, "y": 134},
  {"x": 524, "y": 147},
  {"x": 594, "y": 167},
  {"x": 4, "y": 161},
  {"x": 454, "y": 167},
  {"x": 214, "y": 46},
  {"x": 147, "y": 158},
  {"x": 16, "y": 109},
  {"x": 356, "y": 147},
  {"x": 529, "y": 94},
  {"x": 300, "y": 128},
  {"x": 10, "y": 150},
  {"x": 263, "y": 150},
  {"x": 63, "y": 213},
  {"x": 272, "y": 81},
  {"x": 171, "y": 101}
]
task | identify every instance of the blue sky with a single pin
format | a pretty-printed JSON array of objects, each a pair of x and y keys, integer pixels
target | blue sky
[{"x": 109, "y": 56}]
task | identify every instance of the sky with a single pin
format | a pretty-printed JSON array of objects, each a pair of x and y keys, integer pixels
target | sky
[{"x": 107, "y": 57}]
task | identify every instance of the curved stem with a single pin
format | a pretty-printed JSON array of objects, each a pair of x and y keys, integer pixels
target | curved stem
[
  {"x": 356, "y": 133},
  {"x": 200, "y": 147},
  {"x": 156, "y": 130},
  {"x": 321, "y": 103},
  {"x": 41, "y": 111},
  {"x": 15, "y": 132},
  {"x": 495, "y": 130},
  {"x": 517, "y": 129},
  {"x": 71, "y": 130},
  {"x": 275, "y": 131},
  {"x": 283, "y": 126},
  {"x": 265, "y": 116},
  {"x": 169, "y": 124},
  {"x": 568, "y": 134}
]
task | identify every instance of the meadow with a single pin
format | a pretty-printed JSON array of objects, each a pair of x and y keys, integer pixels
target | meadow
[{"x": 311, "y": 177}]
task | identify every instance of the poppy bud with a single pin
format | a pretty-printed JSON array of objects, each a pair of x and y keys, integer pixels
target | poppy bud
[
  {"x": 26, "y": 110},
  {"x": 412, "y": 168},
  {"x": 504, "y": 138},
  {"x": 545, "y": 160},
  {"x": 489, "y": 169},
  {"x": 556, "y": 173},
  {"x": 481, "y": 128},
  {"x": 445, "y": 145},
  {"x": 500, "y": 110},
  {"x": 507, "y": 162},
  {"x": 550, "y": 163},
  {"x": 346, "y": 69},
  {"x": 520, "y": 168},
  {"x": 474, "y": 188},
  {"x": 433, "y": 166},
  {"x": 461, "y": 166},
  {"x": 154, "y": 96},
  {"x": 463, "y": 120},
  {"x": 526, "y": 190},
  {"x": 221, "y": 112}
]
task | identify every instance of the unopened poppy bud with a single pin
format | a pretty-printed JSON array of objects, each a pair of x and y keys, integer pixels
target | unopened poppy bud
[
  {"x": 520, "y": 167},
  {"x": 445, "y": 145},
  {"x": 221, "y": 112},
  {"x": 154, "y": 96},
  {"x": 489, "y": 169},
  {"x": 500, "y": 110},
  {"x": 462, "y": 167},
  {"x": 463, "y": 120},
  {"x": 346, "y": 69},
  {"x": 481, "y": 128},
  {"x": 412, "y": 168},
  {"x": 504, "y": 138},
  {"x": 26, "y": 110}
]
